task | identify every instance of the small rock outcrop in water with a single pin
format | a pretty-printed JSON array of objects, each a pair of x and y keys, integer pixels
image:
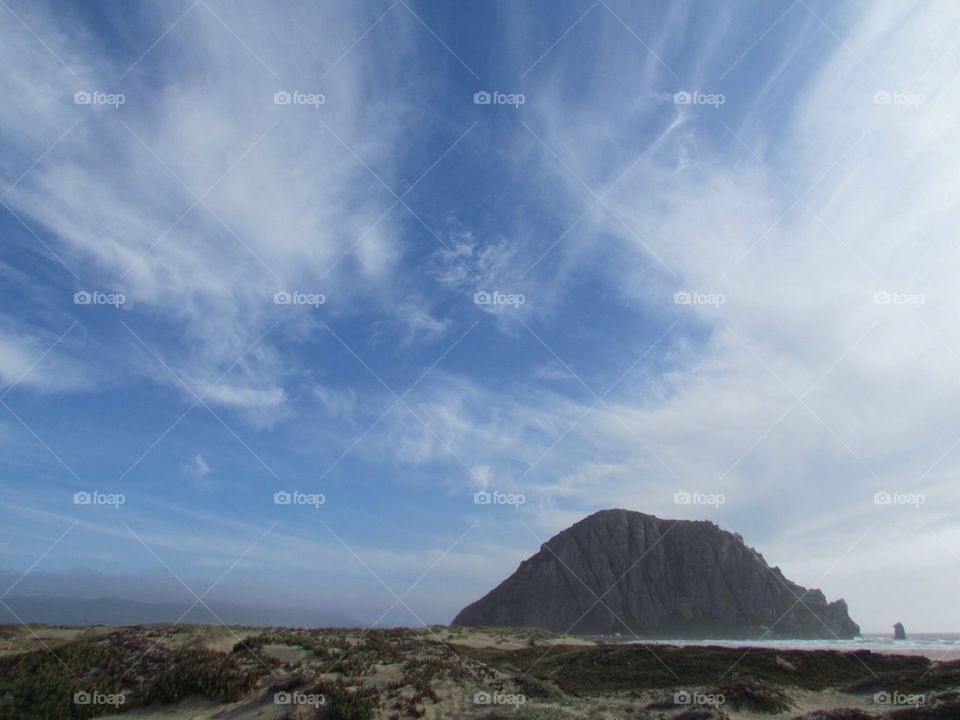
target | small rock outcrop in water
[
  {"x": 898, "y": 632},
  {"x": 668, "y": 578}
]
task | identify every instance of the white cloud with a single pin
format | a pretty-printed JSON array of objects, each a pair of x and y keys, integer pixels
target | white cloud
[
  {"x": 33, "y": 359},
  {"x": 552, "y": 371},
  {"x": 283, "y": 201},
  {"x": 878, "y": 214},
  {"x": 197, "y": 467},
  {"x": 877, "y": 382}
]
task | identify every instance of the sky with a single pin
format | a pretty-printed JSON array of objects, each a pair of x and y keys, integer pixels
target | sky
[{"x": 691, "y": 259}]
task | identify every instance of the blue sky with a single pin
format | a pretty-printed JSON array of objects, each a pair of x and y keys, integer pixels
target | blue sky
[{"x": 789, "y": 167}]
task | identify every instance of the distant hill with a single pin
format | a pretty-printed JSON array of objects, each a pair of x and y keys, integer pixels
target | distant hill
[
  {"x": 119, "y": 611},
  {"x": 669, "y": 578}
]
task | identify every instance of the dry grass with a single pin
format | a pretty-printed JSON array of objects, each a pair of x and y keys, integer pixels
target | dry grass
[{"x": 436, "y": 673}]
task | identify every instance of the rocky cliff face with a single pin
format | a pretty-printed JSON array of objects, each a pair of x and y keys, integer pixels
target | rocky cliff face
[{"x": 676, "y": 578}]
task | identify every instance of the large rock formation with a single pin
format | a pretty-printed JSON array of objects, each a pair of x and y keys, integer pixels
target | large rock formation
[{"x": 667, "y": 578}]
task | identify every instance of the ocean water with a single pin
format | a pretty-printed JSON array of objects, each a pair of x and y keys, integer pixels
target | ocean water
[{"x": 928, "y": 643}]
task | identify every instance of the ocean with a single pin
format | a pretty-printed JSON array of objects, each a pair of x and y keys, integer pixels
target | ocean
[{"x": 928, "y": 643}]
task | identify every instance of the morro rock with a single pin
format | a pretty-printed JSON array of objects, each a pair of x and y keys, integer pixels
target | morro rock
[{"x": 625, "y": 572}]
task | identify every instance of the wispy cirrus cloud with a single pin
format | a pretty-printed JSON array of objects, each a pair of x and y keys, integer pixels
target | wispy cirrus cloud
[
  {"x": 198, "y": 196},
  {"x": 748, "y": 297},
  {"x": 817, "y": 201}
]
